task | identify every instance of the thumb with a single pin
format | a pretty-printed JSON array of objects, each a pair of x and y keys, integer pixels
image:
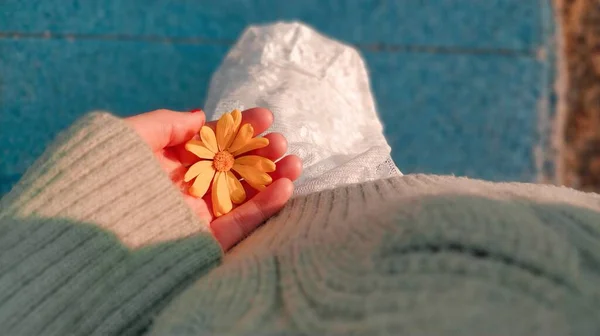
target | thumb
[
  {"x": 165, "y": 128},
  {"x": 231, "y": 228}
]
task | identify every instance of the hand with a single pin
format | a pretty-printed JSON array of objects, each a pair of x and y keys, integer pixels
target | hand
[{"x": 166, "y": 132}]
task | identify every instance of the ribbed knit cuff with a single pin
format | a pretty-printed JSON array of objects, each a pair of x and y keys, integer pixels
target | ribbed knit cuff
[{"x": 95, "y": 239}]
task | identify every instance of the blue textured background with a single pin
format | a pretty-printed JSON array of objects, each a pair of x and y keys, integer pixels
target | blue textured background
[{"x": 459, "y": 83}]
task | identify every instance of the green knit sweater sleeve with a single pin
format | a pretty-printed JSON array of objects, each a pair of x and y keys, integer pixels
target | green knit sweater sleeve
[{"x": 95, "y": 240}]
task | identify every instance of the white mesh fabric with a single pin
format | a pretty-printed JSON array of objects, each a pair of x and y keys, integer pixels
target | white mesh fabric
[{"x": 318, "y": 89}]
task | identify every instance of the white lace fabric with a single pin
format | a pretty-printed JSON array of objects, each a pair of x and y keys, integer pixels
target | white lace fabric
[{"x": 318, "y": 90}]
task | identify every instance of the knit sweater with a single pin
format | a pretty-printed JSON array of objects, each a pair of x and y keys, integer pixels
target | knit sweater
[{"x": 95, "y": 240}]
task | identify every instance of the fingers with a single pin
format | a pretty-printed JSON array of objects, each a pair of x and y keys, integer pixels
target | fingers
[
  {"x": 260, "y": 118},
  {"x": 236, "y": 225},
  {"x": 275, "y": 150},
  {"x": 290, "y": 167},
  {"x": 164, "y": 128}
]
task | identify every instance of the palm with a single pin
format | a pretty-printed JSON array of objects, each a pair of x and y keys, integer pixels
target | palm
[{"x": 175, "y": 160}]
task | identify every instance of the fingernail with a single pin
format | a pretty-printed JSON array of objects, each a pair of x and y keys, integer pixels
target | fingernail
[{"x": 195, "y": 110}]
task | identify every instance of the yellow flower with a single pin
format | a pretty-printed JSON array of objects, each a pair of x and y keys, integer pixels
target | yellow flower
[{"x": 222, "y": 151}]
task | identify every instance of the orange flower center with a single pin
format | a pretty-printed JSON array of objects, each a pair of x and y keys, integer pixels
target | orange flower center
[{"x": 223, "y": 161}]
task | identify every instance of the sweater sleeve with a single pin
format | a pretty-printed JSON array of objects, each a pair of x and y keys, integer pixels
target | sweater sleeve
[{"x": 95, "y": 239}]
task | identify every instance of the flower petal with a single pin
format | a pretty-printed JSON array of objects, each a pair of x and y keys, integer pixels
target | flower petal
[
  {"x": 237, "y": 120},
  {"x": 197, "y": 148},
  {"x": 261, "y": 163},
  {"x": 236, "y": 190},
  {"x": 208, "y": 138},
  {"x": 202, "y": 182},
  {"x": 243, "y": 136},
  {"x": 200, "y": 167},
  {"x": 255, "y": 178},
  {"x": 259, "y": 187},
  {"x": 224, "y": 130},
  {"x": 220, "y": 195},
  {"x": 253, "y": 144}
]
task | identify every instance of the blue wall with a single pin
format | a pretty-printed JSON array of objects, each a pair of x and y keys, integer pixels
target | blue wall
[{"x": 459, "y": 84}]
